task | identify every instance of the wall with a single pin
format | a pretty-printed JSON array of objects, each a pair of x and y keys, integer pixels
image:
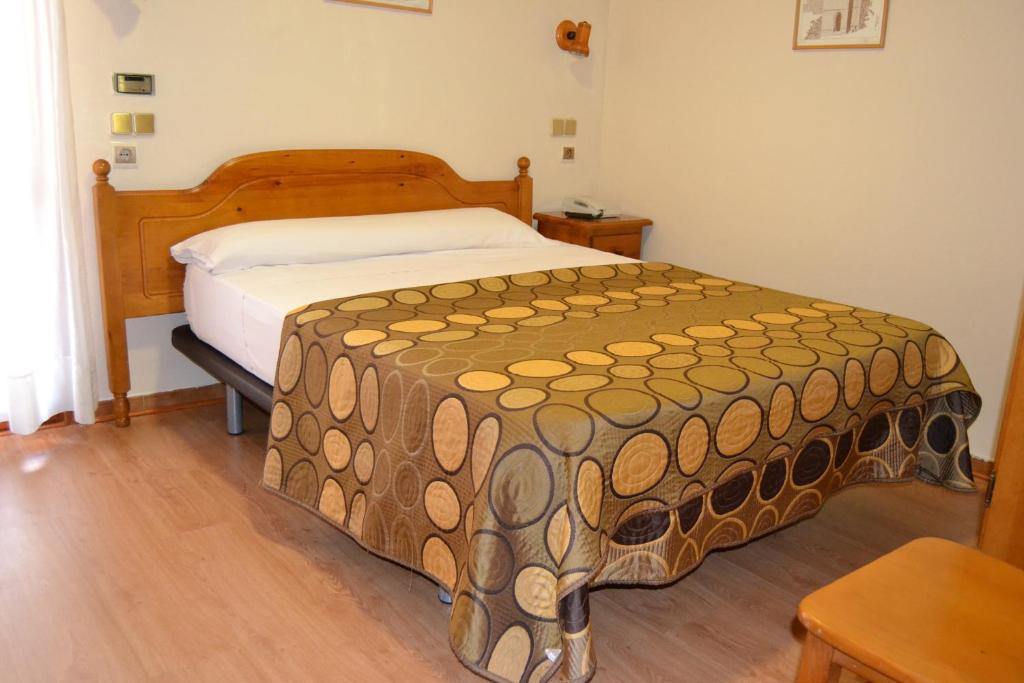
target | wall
[
  {"x": 887, "y": 178},
  {"x": 476, "y": 83}
]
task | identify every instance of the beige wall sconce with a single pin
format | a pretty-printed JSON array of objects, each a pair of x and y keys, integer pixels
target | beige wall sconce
[{"x": 573, "y": 37}]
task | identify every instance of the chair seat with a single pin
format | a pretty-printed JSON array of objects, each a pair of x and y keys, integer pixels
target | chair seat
[{"x": 931, "y": 610}]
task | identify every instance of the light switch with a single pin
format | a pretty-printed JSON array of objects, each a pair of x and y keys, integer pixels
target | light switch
[
  {"x": 557, "y": 127},
  {"x": 145, "y": 124},
  {"x": 570, "y": 127},
  {"x": 121, "y": 123}
]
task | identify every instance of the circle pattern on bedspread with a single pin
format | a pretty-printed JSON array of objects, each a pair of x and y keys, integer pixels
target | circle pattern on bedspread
[
  {"x": 450, "y": 434},
  {"x": 289, "y": 366},
  {"x": 521, "y": 487},
  {"x": 692, "y": 447},
  {"x": 819, "y": 396},
  {"x": 640, "y": 464},
  {"x": 442, "y": 505},
  {"x": 315, "y": 374},
  {"x": 342, "y": 388},
  {"x": 510, "y": 434}
]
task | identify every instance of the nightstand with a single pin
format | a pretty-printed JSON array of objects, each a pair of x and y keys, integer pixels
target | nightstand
[{"x": 620, "y": 235}]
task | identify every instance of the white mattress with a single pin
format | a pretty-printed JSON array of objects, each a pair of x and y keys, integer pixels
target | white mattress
[{"x": 240, "y": 313}]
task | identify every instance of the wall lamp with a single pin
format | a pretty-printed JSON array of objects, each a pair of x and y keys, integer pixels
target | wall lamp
[{"x": 574, "y": 37}]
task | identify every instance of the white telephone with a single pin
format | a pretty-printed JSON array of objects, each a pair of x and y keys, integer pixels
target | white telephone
[{"x": 586, "y": 207}]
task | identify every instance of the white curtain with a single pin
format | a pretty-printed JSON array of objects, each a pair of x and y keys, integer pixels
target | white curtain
[{"x": 46, "y": 355}]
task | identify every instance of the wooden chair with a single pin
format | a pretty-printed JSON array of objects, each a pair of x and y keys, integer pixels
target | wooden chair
[{"x": 932, "y": 611}]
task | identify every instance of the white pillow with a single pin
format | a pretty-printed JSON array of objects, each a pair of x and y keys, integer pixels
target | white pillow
[{"x": 345, "y": 238}]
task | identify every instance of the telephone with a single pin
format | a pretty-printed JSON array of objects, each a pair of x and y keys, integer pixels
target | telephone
[{"x": 586, "y": 207}]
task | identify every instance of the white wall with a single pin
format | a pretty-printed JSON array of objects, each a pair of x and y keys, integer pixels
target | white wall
[
  {"x": 476, "y": 83},
  {"x": 888, "y": 178}
]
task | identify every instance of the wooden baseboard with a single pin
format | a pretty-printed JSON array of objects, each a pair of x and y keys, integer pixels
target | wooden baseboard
[
  {"x": 165, "y": 401},
  {"x": 982, "y": 470},
  {"x": 149, "y": 404}
]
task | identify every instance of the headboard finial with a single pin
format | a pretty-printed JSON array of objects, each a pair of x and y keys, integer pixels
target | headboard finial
[
  {"x": 101, "y": 167},
  {"x": 524, "y": 165}
]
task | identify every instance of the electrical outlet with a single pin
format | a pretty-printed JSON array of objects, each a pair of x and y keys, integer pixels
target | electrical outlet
[
  {"x": 125, "y": 156},
  {"x": 568, "y": 154}
]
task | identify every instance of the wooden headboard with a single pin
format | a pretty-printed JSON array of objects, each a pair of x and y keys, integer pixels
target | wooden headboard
[{"x": 135, "y": 229}]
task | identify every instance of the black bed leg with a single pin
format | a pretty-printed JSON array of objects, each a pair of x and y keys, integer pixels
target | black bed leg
[{"x": 233, "y": 403}]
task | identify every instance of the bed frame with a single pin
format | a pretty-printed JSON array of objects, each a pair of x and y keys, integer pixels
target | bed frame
[{"x": 136, "y": 229}]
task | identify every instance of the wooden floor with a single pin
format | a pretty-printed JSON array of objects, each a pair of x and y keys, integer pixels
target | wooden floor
[{"x": 152, "y": 554}]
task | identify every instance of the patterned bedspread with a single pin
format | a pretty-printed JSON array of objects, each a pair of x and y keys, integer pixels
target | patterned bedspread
[{"x": 521, "y": 439}]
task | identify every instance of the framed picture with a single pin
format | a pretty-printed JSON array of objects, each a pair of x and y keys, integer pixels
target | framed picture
[
  {"x": 822, "y": 24},
  {"x": 425, "y": 6}
]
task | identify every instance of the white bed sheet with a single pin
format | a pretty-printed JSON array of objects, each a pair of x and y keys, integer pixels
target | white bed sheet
[{"x": 240, "y": 313}]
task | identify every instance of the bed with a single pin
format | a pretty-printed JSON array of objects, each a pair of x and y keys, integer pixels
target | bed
[{"x": 525, "y": 423}]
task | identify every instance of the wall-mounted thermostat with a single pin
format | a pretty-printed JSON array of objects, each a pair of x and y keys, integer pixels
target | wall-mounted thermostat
[{"x": 133, "y": 84}]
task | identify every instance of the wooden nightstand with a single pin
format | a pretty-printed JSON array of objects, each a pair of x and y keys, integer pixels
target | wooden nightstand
[{"x": 619, "y": 235}]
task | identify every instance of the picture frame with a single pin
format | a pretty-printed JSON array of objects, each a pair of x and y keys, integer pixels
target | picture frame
[
  {"x": 835, "y": 24},
  {"x": 423, "y": 6}
]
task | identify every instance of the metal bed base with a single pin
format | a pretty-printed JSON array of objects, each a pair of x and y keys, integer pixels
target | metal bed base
[{"x": 238, "y": 382}]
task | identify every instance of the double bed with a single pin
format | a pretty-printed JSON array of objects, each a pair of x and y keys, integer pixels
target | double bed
[{"x": 517, "y": 419}]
